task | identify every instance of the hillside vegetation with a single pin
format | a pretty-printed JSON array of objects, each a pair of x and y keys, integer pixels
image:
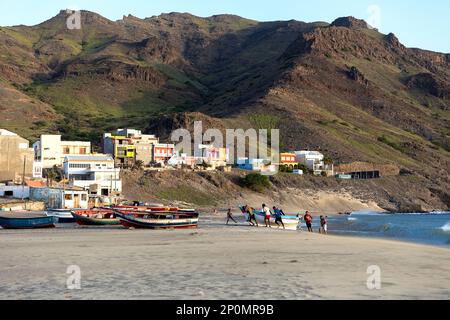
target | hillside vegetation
[{"x": 342, "y": 88}]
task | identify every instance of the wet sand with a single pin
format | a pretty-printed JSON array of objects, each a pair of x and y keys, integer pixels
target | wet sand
[{"x": 215, "y": 262}]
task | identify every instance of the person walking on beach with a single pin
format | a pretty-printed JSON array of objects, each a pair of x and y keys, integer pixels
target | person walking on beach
[
  {"x": 308, "y": 219},
  {"x": 267, "y": 214},
  {"x": 251, "y": 216},
  {"x": 278, "y": 214},
  {"x": 299, "y": 225},
  {"x": 323, "y": 225},
  {"x": 230, "y": 216}
]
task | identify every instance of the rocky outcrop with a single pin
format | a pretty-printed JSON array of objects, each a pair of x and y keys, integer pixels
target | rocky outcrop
[
  {"x": 116, "y": 71},
  {"x": 350, "y": 22},
  {"x": 428, "y": 83},
  {"x": 357, "y": 76}
]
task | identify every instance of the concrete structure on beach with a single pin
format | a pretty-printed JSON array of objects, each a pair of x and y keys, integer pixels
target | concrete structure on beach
[
  {"x": 61, "y": 198},
  {"x": 50, "y": 150},
  {"x": 16, "y": 157}
]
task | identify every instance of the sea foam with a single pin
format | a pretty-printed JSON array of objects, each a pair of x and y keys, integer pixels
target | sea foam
[{"x": 446, "y": 227}]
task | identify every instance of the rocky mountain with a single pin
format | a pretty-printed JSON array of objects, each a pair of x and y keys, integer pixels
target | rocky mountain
[{"x": 343, "y": 88}]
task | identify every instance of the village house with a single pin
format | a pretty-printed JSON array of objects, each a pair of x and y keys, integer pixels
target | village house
[
  {"x": 129, "y": 145},
  {"x": 314, "y": 161},
  {"x": 254, "y": 164},
  {"x": 14, "y": 191},
  {"x": 212, "y": 156},
  {"x": 50, "y": 150},
  {"x": 16, "y": 158},
  {"x": 95, "y": 173},
  {"x": 181, "y": 159},
  {"x": 162, "y": 152},
  {"x": 61, "y": 198},
  {"x": 288, "y": 159}
]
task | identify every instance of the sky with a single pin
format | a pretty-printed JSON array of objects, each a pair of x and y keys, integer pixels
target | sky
[{"x": 417, "y": 23}]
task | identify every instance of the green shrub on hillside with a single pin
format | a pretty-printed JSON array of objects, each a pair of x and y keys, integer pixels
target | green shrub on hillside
[
  {"x": 256, "y": 182},
  {"x": 386, "y": 140}
]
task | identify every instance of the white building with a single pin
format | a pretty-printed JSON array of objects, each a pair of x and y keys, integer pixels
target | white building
[
  {"x": 50, "y": 150},
  {"x": 95, "y": 173},
  {"x": 179, "y": 159},
  {"x": 14, "y": 191},
  {"x": 313, "y": 160}
]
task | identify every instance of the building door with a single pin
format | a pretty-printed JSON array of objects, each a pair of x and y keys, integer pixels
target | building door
[{"x": 76, "y": 200}]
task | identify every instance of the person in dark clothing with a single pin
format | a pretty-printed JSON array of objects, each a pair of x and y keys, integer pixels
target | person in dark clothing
[
  {"x": 323, "y": 225},
  {"x": 230, "y": 216},
  {"x": 308, "y": 220},
  {"x": 278, "y": 216},
  {"x": 251, "y": 216}
]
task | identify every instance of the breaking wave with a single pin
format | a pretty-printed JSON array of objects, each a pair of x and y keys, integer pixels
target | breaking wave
[{"x": 446, "y": 227}]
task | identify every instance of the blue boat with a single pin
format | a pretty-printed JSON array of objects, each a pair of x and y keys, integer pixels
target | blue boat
[{"x": 24, "y": 222}]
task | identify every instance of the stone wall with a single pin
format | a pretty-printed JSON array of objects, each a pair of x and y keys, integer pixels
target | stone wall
[{"x": 384, "y": 169}]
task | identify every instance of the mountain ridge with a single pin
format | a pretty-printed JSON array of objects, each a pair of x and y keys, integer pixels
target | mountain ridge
[{"x": 341, "y": 87}]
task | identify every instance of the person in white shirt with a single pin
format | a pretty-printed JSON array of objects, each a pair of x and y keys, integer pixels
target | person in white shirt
[{"x": 267, "y": 214}]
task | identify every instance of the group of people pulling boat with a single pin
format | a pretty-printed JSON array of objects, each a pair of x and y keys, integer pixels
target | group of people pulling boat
[{"x": 265, "y": 216}]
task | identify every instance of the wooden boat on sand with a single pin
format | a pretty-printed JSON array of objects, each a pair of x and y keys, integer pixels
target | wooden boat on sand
[
  {"x": 290, "y": 221},
  {"x": 95, "y": 217},
  {"x": 24, "y": 220},
  {"x": 144, "y": 208},
  {"x": 158, "y": 219},
  {"x": 62, "y": 215}
]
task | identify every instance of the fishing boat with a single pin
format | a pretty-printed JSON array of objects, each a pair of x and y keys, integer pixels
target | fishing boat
[
  {"x": 27, "y": 221},
  {"x": 95, "y": 217},
  {"x": 63, "y": 215},
  {"x": 152, "y": 208},
  {"x": 158, "y": 219},
  {"x": 290, "y": 221}
]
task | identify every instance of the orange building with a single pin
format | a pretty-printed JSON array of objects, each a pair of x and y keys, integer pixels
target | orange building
[
  {"x": 288, "y": 159},
  {"x": 162, "y": 152}
]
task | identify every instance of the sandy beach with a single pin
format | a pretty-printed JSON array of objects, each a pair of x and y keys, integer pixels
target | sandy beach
[{"x": 215, "y": 262}]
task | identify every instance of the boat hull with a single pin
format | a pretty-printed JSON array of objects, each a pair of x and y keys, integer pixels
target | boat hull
[
  {"x": 63, "y": 216},
  {"x": 89, "y": 219},
  {"x": 131, "y": 221},
  {"x": 28, "y": 223}
]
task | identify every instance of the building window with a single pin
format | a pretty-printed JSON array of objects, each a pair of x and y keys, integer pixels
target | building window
[
  {"x": 67, "y": 197},
  {"x": 66, "y": 150},
  {"x": 83, "y": 197},
  {"x": 79, "y": 165},
  {"x": 82, "y": 150}
]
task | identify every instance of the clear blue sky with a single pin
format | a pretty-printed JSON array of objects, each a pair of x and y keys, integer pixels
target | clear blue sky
[{"x": 417, "y": 23}]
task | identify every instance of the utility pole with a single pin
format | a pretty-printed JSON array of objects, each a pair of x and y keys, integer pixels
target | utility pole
[
  {"x": 23, "y": 176},
  {"x": 110, "y": 194}
]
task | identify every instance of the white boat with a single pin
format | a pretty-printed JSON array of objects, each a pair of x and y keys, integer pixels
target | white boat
[
  {"x": 291, "y": 222},
  {"x": 63, "y": 215}
]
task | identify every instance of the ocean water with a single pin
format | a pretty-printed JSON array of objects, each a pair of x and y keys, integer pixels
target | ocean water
[{"x": 431, "y": 228}]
